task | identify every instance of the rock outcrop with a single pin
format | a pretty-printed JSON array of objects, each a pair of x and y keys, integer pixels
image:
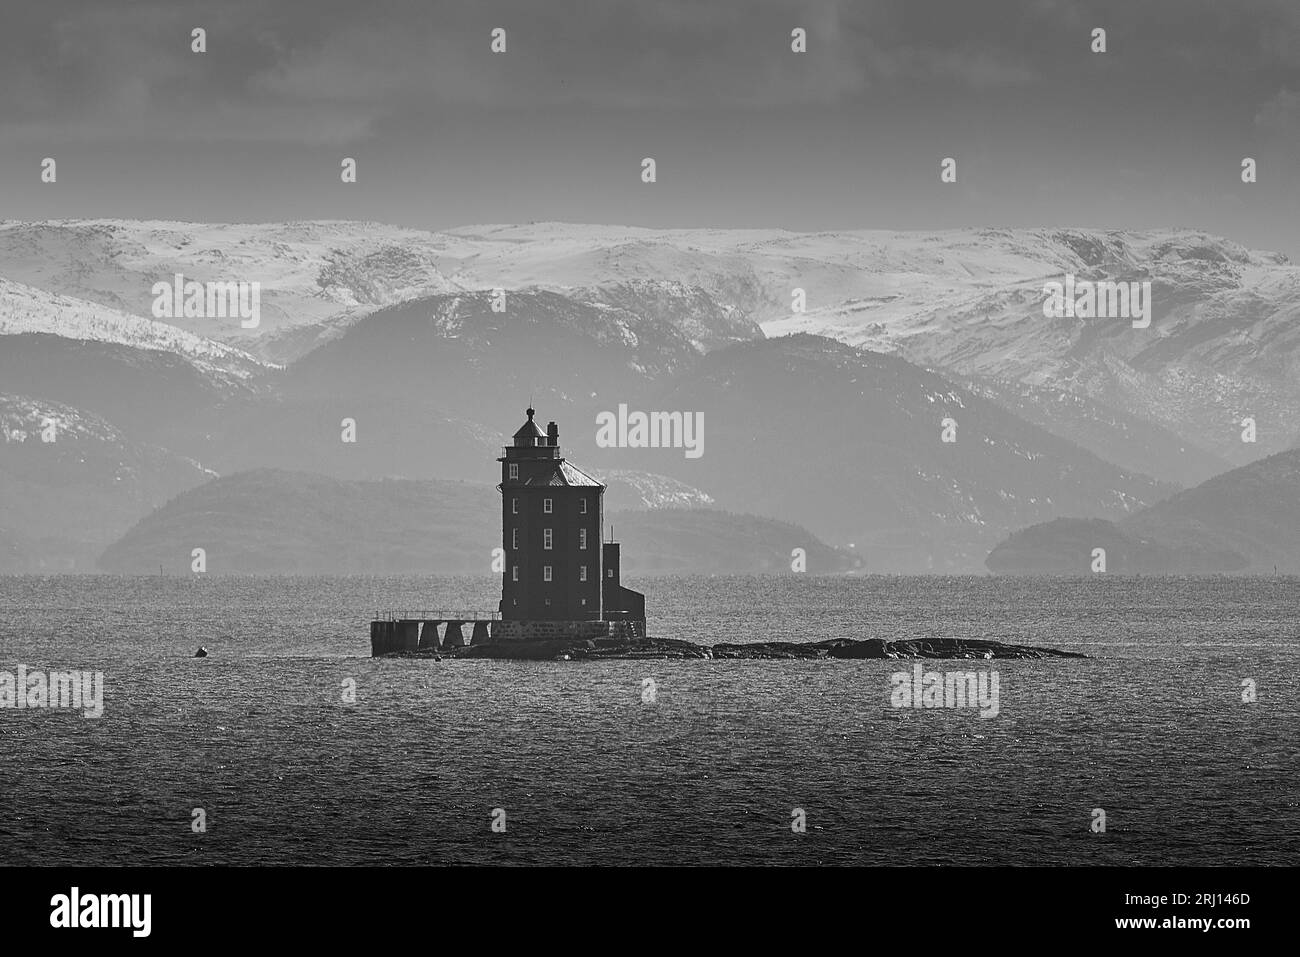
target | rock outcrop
[{"x": 659, "y": 648}]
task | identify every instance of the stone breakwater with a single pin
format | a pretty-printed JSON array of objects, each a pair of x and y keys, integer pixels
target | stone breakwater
[{"x": 625, "y": 648}]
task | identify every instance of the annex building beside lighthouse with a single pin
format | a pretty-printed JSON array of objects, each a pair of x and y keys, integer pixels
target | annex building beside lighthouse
[{"x": 560, "y": 578}]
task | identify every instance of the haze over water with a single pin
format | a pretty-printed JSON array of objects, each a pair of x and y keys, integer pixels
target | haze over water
[{"x": 1150, "y": 728}]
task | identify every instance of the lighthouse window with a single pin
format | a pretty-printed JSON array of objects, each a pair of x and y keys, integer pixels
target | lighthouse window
[
  {"x": 610, "y": 573},
  {"x": 582, "y": 573},
  {"x": 514, "y": 506},
  {"x": 514, "y": 538},
  {"x": 546, "y": 576},
  {"x": 514, "y": 573},
  {"x": 546, "y": 506},
  {"x": 582, "y": 506},
  {"x": 514, "y": 470},
  {"x": 582, "y": 538},
  {"x": 546, "y": 538}
]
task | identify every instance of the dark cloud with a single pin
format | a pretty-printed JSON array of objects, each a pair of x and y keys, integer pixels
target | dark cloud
[
  {"x": 745, "y": 130},
  {"x": 1281, "y": 115}
]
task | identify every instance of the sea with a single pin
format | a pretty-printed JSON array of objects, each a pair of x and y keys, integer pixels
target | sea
[{"x": 1174, "y": 742}]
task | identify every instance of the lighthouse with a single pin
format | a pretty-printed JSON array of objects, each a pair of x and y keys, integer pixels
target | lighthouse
[{"x": 560, "y": 578}]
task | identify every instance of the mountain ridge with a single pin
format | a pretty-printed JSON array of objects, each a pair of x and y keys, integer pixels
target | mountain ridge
[
  {"x": 1242, "y": 521},
  {"x": 270, "y": 521}
]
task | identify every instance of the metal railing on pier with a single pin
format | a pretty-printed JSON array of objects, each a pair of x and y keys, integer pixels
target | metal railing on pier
[{"x": 435, "y": 614}]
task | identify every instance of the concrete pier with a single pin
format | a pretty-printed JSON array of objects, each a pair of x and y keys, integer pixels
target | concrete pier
[
  {"x": 429, "y": 636},
  {"x": 418, "y": 632}
]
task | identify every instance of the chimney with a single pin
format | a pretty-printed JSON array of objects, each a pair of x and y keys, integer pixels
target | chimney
[{"x": 552, "y": 434}]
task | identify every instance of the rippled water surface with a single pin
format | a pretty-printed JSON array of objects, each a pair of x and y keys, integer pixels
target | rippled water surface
[{"x": 1151, "y": 728}]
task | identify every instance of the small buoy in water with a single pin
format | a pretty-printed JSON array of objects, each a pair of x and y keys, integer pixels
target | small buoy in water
[{"x": 201, "y": 653}]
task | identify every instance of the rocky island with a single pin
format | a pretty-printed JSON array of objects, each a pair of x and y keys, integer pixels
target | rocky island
[
  {"x": 561, "y": 593},
  {"x": 574, "y": 649}
]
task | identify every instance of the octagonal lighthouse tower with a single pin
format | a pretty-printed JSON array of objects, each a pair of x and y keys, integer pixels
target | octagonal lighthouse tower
[{"x": 560, "y": 579}]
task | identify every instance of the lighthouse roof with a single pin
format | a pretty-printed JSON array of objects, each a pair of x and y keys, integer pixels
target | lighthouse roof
[
  {"x": 530, "y": 429},
  {"x": 565, "y": 474}
]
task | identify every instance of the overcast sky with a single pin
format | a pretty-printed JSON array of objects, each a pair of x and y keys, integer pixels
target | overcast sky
[{"x": 745, "y": 132}]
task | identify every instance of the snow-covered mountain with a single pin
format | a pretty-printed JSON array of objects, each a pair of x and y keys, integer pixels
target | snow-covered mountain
[
  {"x": 401, "y": 330},
  {"x": 1222, "y": 345},
  {"x": 318, "y": 278},
  {"x": 308, "y": 272},
  {"x": 28, "y": 310},
  {"x": 649, "y": 490}
]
